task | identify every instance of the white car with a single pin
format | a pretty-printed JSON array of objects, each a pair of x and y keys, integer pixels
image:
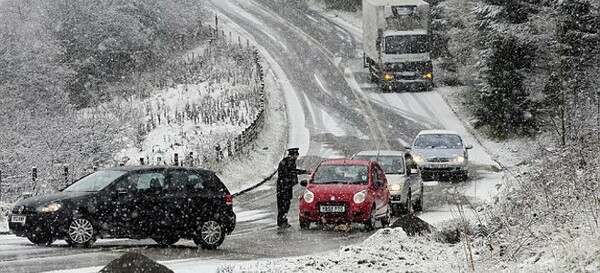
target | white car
[
  {"x": 404, "y": 182},
  {"x": 441, "y": 154}
]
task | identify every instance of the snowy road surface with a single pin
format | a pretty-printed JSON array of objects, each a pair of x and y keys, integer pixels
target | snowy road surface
[{"x": 333, "y": 111}]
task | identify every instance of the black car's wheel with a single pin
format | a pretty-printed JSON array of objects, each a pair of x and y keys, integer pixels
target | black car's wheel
[
  {"x": 370, "y": 224},
  {"x": 41, "y": 240},
  {"x": 166, "y": 240},
  {"x": 81, "y": 232},
  {"x": 211, "y": 235},
  {"x": 304, "y": 225}
]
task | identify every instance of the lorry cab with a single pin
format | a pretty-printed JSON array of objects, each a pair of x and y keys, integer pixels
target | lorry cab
[{"x": 397, "y": 43}]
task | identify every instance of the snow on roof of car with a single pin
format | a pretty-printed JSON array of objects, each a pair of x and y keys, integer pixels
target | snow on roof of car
[
  {"x": 381, "y": 152},
  {"x": 150, "y": 167},
  {"x": 344, "y": 162},
  {"x": 438, "y": 132}
]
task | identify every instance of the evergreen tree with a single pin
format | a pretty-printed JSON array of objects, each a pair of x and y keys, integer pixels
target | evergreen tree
[
  {"x": 501, "y": 101},
  {"x": 572, "y": 94}
]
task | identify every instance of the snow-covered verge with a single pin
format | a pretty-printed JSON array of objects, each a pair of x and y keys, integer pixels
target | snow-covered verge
[
  {"x": 388, "y": 250},
  {"x": 545, "y": 218}
]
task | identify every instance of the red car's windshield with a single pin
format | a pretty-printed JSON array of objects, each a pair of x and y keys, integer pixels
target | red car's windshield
[{"x": 342, "y": 174}]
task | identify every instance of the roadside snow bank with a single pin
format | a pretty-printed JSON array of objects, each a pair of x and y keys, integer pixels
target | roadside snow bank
[{"x": 388, "y": 250}]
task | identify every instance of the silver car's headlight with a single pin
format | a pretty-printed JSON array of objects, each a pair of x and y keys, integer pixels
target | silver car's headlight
[
  {"x": 395, "y": 187},
  {"x": 418, "y": 159},
  {"x": 360, "y": 196},
  {"x": 309, "y": 196},
  {"x": 49, "y": 207},
  {"x": 459, "y": 159}
]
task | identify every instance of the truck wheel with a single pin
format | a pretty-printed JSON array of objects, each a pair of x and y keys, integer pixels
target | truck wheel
[{"x": 372, "y": 77}]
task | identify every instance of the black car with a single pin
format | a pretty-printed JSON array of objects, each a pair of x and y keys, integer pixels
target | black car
[{"x": 159, "y": 202}]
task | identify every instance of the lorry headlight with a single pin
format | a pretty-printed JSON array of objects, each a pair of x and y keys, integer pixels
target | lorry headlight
[
  {"x": 309, "y": 196},
  {"x": 49, "y": 207},
  {"x": 388, "y": 77},
  {"x": 360, "y": 196},
  {"x": 395, "y": 187}
]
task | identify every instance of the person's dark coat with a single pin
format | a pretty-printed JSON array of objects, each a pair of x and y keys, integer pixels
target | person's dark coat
[{"x": 287, "y": 177}]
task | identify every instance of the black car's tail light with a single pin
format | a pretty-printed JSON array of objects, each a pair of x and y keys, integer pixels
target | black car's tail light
[{"x": 229, "y": 199}]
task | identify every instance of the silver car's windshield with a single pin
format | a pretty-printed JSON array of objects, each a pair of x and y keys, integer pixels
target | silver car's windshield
[
  {"x": 342, "y": 174},
  {"x": 95, "y": 181},
  {"x": 390, "y": 164},
  {"x": 441, "y": 141}
]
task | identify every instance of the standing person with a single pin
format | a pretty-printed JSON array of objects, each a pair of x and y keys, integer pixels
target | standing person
[{"x": 287, "y": 178}]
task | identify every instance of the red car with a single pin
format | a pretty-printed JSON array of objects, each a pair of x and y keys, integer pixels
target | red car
[{"x": 345, "y": 191}]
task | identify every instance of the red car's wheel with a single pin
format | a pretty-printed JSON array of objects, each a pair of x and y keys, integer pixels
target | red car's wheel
[
  {"x": 304, "y": 225},
  {"x": 370, "y": 224}
]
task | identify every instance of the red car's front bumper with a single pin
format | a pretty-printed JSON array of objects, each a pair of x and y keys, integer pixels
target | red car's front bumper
[{"x": 353, "y": 213}]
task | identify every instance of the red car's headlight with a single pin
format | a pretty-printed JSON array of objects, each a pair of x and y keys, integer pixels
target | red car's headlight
[
  {"x": 309, "y": 197},
  {"x": 360, "y": 196}
]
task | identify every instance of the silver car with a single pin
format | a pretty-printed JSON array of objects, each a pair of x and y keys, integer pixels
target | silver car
[
  {"x": 441, "y": 154},
  {"x": 404, "y": 182}
]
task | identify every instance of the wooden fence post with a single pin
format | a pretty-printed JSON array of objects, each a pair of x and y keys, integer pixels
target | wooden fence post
[{"x": 66, "y": 174}]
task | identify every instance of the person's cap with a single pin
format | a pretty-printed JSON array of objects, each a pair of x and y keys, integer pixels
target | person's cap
[{"x": 293, "y": 151}]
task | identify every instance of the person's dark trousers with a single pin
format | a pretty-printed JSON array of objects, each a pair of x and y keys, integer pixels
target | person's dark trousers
[{"x": 283, "y": 206}]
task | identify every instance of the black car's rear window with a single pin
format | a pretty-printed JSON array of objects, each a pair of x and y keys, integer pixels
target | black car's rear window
[
  {"x": 95, "y": 181},
  {"x": 187, "y": 180}
]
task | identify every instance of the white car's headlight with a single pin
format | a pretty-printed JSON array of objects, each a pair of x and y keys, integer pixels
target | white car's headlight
[
  {"x": 459, "y": 159},
  {"x": 360, "y": 196},
  {"x": 418, "y": 159},
  {"x": 50, "y": 207},
  {"x": 309, "y": 196},
  {"x": 395, "y": 187}
]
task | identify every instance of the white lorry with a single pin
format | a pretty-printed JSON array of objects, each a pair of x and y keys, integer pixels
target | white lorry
[{"x": 396, "y": 43}]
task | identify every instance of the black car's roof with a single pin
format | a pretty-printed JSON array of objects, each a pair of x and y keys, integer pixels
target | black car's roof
[{"x": 130, "y": 168}]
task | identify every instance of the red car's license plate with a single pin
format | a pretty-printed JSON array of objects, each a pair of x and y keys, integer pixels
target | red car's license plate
[{"x": 333, "y": 209}]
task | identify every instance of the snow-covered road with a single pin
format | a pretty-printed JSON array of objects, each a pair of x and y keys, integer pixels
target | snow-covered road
[{"x": 332, "y": 111}]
